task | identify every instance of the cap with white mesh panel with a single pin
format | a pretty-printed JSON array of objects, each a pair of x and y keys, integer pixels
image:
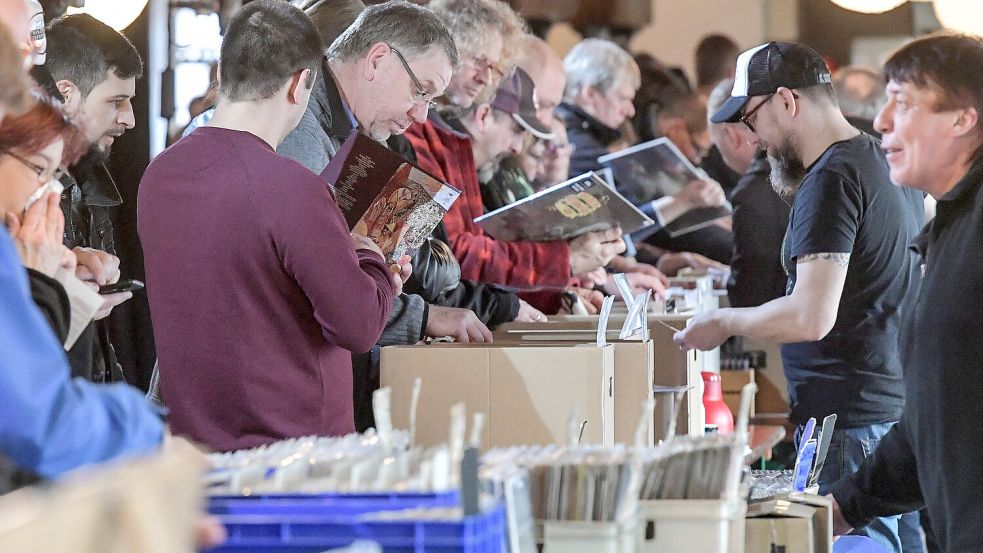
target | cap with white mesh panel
[{"x": 766, "y": 68}]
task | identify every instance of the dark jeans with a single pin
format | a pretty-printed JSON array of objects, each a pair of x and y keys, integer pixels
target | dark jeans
[{"x": 847, "y": 450}]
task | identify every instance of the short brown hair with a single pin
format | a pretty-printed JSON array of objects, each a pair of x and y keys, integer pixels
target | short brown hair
[
  {"x": 42, "y": 124},
  {"x": 332, "y": 17},
  {"x": 82, "y": 49},
  {"x": 266, "y": 42},
  {"x": 948, "y": 63},
  {"x": 716, "y": 55}
]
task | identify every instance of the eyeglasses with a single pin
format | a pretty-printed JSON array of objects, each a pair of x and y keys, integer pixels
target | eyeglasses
[
  {"x": 746, "y": 118},
  {"x": 482, "y": 64},
  {"x": 554, "y": 148},
  {"x": 37, "y": 169},
  {"x": 421, "y": 97}
]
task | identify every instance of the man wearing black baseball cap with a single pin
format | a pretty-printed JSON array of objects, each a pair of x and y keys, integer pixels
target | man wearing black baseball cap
[{"x": 845, "y": 253}]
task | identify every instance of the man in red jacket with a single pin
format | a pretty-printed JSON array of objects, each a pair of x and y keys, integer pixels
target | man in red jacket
[{"x": 476, "y": 142}]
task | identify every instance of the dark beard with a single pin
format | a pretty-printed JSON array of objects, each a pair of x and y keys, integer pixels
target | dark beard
[
  {"x": 100, "y": 156},
  {"x": 90, "y": 159},
  {"x": 787, "y": 170}
]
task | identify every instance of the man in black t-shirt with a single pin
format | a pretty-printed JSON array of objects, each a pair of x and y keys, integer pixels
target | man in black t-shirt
[{"x": 845, "y": 253}]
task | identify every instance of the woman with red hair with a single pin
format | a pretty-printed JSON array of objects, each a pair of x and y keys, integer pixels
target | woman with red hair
[{"x": 33, "y": 148}]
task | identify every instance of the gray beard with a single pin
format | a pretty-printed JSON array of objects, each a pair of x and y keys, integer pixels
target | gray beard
[
  {"x": 787, "y": 170},
  {"x": 486, "y": 172}
]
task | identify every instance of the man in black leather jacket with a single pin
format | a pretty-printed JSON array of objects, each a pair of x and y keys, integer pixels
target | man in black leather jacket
[{"x": 94, "y": 69}]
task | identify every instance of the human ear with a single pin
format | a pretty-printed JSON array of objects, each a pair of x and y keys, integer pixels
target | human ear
[
  {"x": 373, "y": 59},
  {"x": 965, "y": 121},
  {"x": 789, "y": 97},
  {"x": 297, "y": 84},
  {"x": 71, "y": 96}
]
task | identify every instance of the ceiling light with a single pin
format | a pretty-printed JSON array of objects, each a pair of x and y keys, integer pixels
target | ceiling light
[{"x": 118, "y": 14}]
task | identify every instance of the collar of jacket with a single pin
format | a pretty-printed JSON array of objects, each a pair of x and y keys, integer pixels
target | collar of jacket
[
  {"x": 970, "y": 181},
  {"x": 948, "y": 204},
  {"x": 94, "y": 182},
  {"x": 329, "y": 107},
  {"x": 575, "y": 117}
]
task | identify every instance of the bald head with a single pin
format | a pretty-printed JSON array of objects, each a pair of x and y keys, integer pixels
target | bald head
[
  {"x": 545, "y": 68},
  {"x": 734, "y": 140}
]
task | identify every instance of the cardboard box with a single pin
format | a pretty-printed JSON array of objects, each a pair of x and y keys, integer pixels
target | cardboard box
[
  {"x": 633, "y": 373},
  {"x": 772, "y": 394},
  {"x": 731, "y": 384},
  {"x": 671, "y": 366},
  {"x": 704, "y": 525},
  {"x": 526, "y": 392},
  {"x": 793, "y": 523}
]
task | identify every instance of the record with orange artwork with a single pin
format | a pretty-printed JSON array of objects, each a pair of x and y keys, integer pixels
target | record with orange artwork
[{"x": 386, "y": 198}]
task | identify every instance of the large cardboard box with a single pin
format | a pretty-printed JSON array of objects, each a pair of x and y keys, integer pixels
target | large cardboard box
[
  {"x": 526, "y": 392},
  {"x": 633, "y": 373},
  {"x": 731, "y": 384},
  {"x": 672, "y": 367},
  {"x": 772, "y": 396},
  {"x": 793, "y": 523}
]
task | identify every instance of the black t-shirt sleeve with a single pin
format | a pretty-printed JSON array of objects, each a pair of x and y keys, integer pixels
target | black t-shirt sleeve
[{"x": 828, "y": 210}]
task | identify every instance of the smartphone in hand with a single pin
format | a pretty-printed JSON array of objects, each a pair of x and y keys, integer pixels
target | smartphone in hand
[{"x": 121, "y": 286}]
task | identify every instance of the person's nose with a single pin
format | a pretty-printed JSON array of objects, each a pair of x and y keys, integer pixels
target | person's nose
[
  {"x": 883, "y": 121},
  {"x": 419, "y": 112},
  {"x": 125, "y": 117},
  {"x": 629, "y": 110}
]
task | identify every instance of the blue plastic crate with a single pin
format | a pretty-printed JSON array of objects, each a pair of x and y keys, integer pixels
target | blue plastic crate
[
  {"x": 327, "y": 504},
  {"x": 484, "y": 533}
]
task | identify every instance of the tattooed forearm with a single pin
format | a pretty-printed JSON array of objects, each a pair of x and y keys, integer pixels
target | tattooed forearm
[{"x": 841, "y": 259}]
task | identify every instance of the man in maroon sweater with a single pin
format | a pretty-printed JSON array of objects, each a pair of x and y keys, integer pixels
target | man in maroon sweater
[{"x": 258, "y": 292}]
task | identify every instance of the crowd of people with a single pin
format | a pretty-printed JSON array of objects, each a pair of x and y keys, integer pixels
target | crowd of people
[{"x": 268, "y": 311}]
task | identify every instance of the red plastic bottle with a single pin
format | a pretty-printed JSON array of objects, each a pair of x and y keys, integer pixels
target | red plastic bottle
[{"x": 717, "y": 411}]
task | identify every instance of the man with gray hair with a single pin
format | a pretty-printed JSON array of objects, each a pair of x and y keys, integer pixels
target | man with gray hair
[
  {"x": 488, "y": 34},
  {"x": 602, "y": 80},
  {"x": 380, "y": 75},
  {"x": 390, "y": 43},
  {"x": 447, "y": 153}
]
